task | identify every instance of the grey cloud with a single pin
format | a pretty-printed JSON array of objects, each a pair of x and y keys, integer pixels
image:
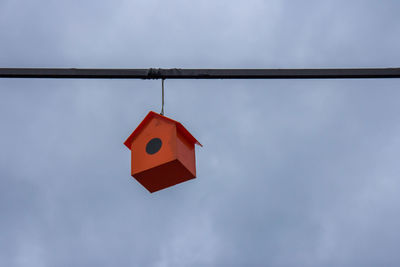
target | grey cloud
[{"x": 292, "y": 173}]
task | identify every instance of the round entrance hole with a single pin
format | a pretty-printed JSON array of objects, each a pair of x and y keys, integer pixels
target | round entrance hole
[{"x": 153, "y": 146}]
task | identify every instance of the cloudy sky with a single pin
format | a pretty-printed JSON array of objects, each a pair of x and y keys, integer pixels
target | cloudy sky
[{"x": 292, "y": 172}]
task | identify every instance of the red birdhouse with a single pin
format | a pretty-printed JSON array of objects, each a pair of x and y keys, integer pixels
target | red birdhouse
[{"x": 162, "y": 152}]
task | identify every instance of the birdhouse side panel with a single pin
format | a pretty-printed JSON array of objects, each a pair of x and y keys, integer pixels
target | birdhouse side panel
[
  {"x": 186, "y": 153},
  {"x": 154, "y": 145}
]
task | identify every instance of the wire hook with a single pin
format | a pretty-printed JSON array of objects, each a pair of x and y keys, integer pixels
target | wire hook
[{"x": 162, "y": 101}]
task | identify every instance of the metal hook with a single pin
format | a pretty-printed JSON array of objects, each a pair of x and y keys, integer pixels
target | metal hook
[{"x": 162, "y": 105}]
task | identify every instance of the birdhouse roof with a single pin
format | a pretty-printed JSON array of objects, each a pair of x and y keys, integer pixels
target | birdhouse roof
[{"x": 152, "y": 115}]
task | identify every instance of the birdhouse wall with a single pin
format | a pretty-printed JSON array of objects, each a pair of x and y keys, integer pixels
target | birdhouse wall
[
  {"x": 156, "y": 128},
  {"x": 186, "y": 153}
]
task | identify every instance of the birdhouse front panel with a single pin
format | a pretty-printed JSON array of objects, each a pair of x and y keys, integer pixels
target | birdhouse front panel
[
  {"x": 154, "y": 145},
  {"x": 162, "y": 153}
]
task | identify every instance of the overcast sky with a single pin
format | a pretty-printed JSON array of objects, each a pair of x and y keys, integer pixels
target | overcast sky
[{"x": 292, "y": 172}]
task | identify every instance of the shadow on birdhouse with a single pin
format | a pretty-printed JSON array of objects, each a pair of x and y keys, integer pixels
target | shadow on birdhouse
[{"x": 162, "y": 152}]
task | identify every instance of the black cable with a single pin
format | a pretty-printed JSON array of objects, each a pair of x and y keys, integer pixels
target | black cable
[{"x": 56, "y": 73}]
